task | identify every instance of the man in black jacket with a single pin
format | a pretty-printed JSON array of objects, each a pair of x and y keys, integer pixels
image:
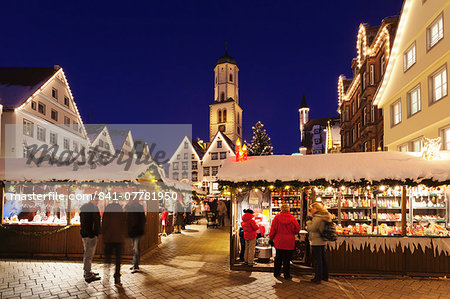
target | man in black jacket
[
  {"x": 136, "y": 228},
  {"x": 90, "y": 229}
]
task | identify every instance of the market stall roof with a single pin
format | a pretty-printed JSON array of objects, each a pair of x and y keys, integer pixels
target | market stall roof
[
  {"x": 20, "y": 170},
  {"x": 373, "y": 167}
]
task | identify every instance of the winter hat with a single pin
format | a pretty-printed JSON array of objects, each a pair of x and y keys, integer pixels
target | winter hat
[{"x": 248, "y": 211}]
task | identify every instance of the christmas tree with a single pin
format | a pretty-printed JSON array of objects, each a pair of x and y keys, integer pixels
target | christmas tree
[{"x": 261, "y": 145}]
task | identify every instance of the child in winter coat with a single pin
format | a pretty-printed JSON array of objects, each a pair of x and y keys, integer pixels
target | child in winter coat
[{"x": 249, "y": 226}]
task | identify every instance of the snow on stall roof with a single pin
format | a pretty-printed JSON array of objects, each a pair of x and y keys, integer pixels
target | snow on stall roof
[
  {"x": 19, "y": 170},
  {"x": 349, "y": 167}
]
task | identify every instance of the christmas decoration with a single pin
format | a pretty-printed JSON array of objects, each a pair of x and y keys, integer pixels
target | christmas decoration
[
  {"x": 261, "y": 144},
  {"x": 241, "y": 151}
]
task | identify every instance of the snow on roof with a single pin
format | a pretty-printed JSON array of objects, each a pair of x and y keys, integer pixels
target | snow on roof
[
  {"x": 348, "y": 167},
  {"x": 19, "y": 170},
  {"x": 18, "y": 83}
]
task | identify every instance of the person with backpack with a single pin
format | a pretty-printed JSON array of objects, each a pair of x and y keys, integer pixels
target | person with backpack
[
  {"x": 282, "y": 234},
  {"x": 249, "y": 226},
  {"x": 316, "y": 227}
]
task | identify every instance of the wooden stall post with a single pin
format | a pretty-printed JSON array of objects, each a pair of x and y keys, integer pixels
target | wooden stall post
[
  {"x": 233, "y": 211},
  {"x": 403, "y": 206},
  {"x": 312, "y": 195}
]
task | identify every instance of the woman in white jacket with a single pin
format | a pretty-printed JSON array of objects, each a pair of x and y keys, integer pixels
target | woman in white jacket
[{"x": 315, "y": 226}]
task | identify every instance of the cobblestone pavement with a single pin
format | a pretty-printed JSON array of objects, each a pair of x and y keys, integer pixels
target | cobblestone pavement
[{"x": 195, "y": 265}]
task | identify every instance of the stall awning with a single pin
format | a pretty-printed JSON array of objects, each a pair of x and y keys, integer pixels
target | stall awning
[{"x": 373, "y": 167}]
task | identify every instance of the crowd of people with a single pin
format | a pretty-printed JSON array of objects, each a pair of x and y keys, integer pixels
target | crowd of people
[
  {"x": 282, "y": 235},
  {"x": 116, "y": 224}
]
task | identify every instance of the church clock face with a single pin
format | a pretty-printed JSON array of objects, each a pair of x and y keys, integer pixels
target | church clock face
[{"x": 222, "y": 128}]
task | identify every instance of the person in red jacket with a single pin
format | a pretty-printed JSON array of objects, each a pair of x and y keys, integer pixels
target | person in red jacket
[
  {"x": 249, "y": 226},
  {"x": 282, "y": 235}
]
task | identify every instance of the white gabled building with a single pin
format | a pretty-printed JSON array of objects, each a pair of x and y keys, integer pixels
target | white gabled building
[
  {"x": 221, "y": 148},
  {"x": 38, "y": 109},
  {"x": 122, "y": 140},
  {"x": 185, "y": 163},
  {"x": 100, "y": 138}
]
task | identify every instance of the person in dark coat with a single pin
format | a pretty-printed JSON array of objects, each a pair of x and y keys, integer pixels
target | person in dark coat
[
  {"x": 135, "y": 215},
  {"x": 89, "y": 230},
  {"x": 179, "y": 216},
  {"x": 282, "y": 233},
  {"x": 114, "y": 230}
]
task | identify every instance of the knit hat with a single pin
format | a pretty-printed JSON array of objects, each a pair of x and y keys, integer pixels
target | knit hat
[{"x": 250, "y": 211}]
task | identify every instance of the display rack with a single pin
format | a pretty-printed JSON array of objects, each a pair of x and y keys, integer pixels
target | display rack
[{"x": 382, "y": 210}]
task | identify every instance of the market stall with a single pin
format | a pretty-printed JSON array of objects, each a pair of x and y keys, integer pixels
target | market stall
[
  {"x": 391, "y": 209},
  {"x": 40, "y": 205}
]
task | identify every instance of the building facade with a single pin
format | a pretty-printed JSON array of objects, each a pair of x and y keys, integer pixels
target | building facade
[
  {"x": 318, "y": 135},
  {"x": 221, "y": 148},
  {"x": 361, "y": 121},
  {"x": 225, "y": 114},
  {"x": 186, "y": 162},
  {"x": 414, "y": 92},
  {"x": 39, "y": 109}
]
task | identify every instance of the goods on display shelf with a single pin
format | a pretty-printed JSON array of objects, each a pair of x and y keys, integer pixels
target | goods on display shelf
[
  {"x": 292, "y": 198},
  {"x": 377, "y": 211}
]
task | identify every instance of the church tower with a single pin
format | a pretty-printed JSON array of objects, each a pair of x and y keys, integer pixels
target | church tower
[
  {"x": 304, "y": 117},
  {"x": 225, "y": 114}
]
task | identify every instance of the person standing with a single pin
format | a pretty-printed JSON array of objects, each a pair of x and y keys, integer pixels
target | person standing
[
  {"x": 282, "y": 234},
  {"x": 315, "y": 226},
  {"x": 179, "y": 216},
  {"x": 136, "y": 228},
  {"x": 89, "y": 230},
  {"x": 249, "y": 226},
  {"x": 113, "y": 230},
  {"x": 222, "y": 211}
]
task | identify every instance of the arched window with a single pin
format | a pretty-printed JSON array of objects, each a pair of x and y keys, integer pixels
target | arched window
[
  {"x": 219, "y": 116},
  {"x": 231, "y": 77},
  {"x": 239, "y": 118},
  {"x": 222, "y": 96},
  {"x": 224, "y": 115}
]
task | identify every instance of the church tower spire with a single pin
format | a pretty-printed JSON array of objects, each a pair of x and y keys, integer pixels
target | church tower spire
[
  {"x": 304, "y": 116},
  {"x": 225, "y": 112}
]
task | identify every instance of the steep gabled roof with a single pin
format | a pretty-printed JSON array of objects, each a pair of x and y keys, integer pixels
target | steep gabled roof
[
  {"x": 17, "y": 84},
  {"x": 118, "y": 138},
  {"x": 198, "y": 149},
  {"x": 230, "y": 143},
  {"x": 93, "y": 131}
]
